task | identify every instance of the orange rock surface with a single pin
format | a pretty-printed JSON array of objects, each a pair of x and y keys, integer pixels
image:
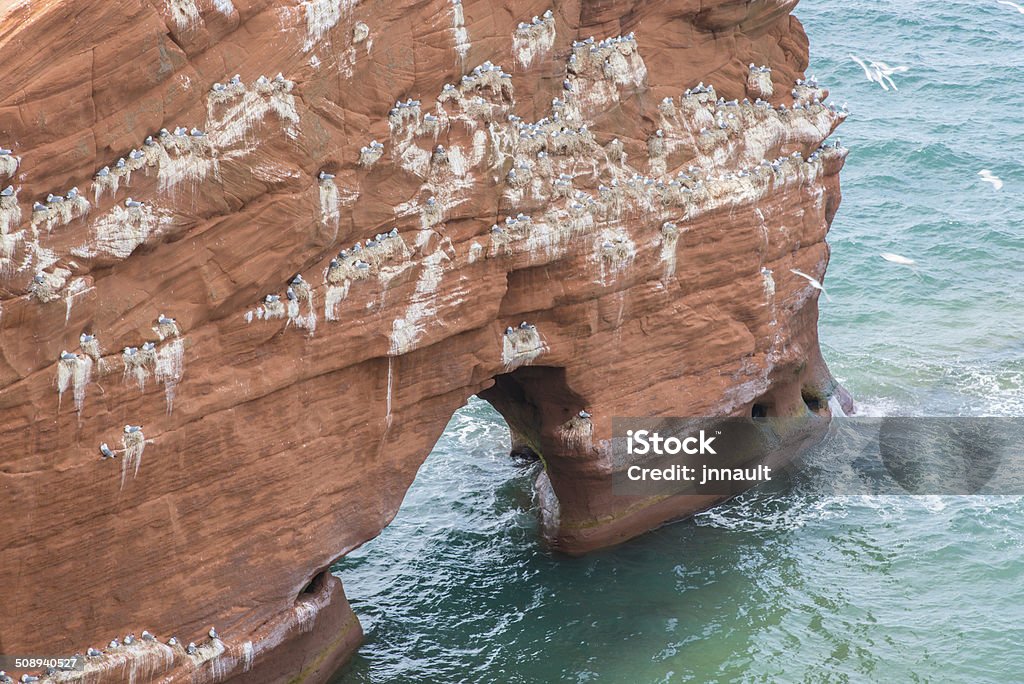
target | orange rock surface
[{"x": 645, "y": 235}]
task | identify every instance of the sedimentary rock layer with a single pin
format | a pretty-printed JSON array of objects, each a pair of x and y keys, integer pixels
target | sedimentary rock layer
[{"x": 254, "y": 254}]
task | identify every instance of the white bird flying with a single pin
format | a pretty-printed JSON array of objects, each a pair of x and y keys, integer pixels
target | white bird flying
[
  {"x": 897, "y": 259},
  {"x": 815, "y": 283},
  {"x": 870, "y": 74},
  {"x": 1011, "y": 4},
  {"x": 888, "y": 70},
  {"x": 988, "y": 177},
  {"x": 879, "y": 72},
  {"x": 883, "y": 77},
  {"x": 867, "y": 72}
]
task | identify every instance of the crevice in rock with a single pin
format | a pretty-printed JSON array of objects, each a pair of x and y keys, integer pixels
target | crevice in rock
[
  {"x": 315, "y": 586},
  {"x": 813, "y": 400}
]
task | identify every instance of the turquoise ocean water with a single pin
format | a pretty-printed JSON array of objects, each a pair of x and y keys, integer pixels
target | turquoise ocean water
[{"x": 781, "y": 585}]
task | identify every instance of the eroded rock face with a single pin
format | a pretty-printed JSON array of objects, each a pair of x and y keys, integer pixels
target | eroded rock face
[{"x": 266, "y": 295}]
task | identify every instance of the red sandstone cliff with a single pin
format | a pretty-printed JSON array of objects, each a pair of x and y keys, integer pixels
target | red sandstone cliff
[{"x": 278, "y": 434}]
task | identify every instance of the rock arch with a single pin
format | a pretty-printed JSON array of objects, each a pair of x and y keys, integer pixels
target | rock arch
[{"x": 302, "y": 407}]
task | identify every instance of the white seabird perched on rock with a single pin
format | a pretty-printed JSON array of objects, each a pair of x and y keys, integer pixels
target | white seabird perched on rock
[
  {"x": 196, "y": 133},
  {"x": 583, "y": 414},
  {"x": 106, "y": 451},
  {"x": 72, "y": 194},
  {"x": 132, "y": 203},
  {"x": 324, "y": 176},
  {"x": 39, "y": 206},
  {"x": 191, "y": 649},
  {"x": 7, "y": 192}
]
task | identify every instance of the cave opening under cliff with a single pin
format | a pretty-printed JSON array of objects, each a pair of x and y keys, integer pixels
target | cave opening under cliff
[
  {"x": 813, "y": 400},
  {"x": 515, "y": 431},
  {"x": 471, "y": 508},
  {"x": 535, "y": 401}
]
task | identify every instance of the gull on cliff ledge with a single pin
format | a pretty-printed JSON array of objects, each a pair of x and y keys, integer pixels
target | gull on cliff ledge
[{"x": 815, "y": 283}]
